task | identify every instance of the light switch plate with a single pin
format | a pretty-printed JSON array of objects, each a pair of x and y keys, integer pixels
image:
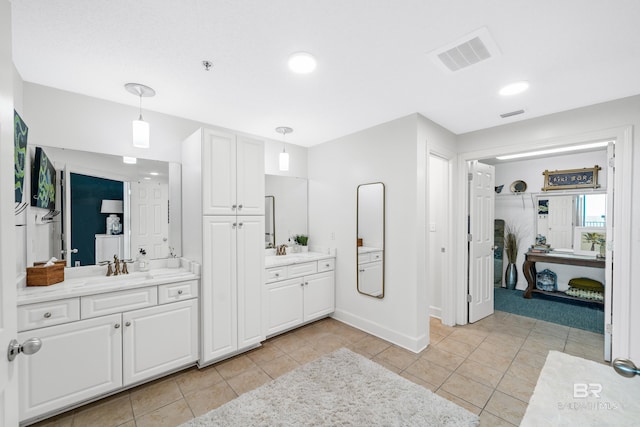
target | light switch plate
[{"x": 432, "y": 226}]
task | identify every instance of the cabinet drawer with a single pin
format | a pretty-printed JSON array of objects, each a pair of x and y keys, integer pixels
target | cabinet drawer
[
  {"x": 362, "y": 258},
  {"x": 326, "y": 265},
  {"x": 48, "y": 313},
  {"x": 297, "y": 270},
  {"x": 276, "y": 273},
  {"x": 177, "y": 291},
  {"x": 376, "y": 256},
  {"x": 116, "y": 302}
]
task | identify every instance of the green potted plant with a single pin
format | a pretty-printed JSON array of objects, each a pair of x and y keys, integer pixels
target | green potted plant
[
  {"x": 511, "y": 246},
  {"x": 302, "y": 240}
]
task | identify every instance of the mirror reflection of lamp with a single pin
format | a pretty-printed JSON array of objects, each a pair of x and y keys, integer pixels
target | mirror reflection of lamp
[{"x": 112, "y": 207}]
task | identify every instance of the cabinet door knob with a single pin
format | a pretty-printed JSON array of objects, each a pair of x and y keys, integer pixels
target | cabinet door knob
[
  {"x": 240, "y": 224},
  {"x": 47, "y": 315},
  {"x": 117, "y": 326},
  {"x": 306, "y": 283},
  {"x": 180, "y": 292},
  {"x": 234, "y": 225},
  {"x": 127, "y": 324},
  {"x": 233, "y": 207},
  {"x": 239, "y": 207},
  {"x": 327, "y": 265},
  {"x": 277, "y": 274},
  {"x": 302, "y": 284}
]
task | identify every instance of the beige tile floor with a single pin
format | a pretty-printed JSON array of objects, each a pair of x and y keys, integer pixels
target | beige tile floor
[{"x": 490, "y": 368}]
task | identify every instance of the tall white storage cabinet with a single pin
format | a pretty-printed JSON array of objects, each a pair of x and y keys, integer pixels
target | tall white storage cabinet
[{"x": 223, "y": 230}]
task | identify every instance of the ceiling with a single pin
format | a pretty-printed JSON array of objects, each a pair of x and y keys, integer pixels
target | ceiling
[{"x": 373, "y": 58}]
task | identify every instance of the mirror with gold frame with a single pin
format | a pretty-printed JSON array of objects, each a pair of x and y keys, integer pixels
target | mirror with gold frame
[{"x": 370, "y": 239}]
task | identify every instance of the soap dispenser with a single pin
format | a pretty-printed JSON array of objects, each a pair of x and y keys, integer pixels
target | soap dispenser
[{"x": 143, "y": 262}]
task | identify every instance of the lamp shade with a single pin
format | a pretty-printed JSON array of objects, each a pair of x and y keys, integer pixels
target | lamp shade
[
  {"x": 140, "y": 133},
  {"x": 284, "y": 161},
  {"x": 111, "y": 207}
]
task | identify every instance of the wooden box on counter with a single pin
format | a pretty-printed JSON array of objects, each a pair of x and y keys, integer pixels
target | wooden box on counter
[{"x": 39, "y": 275}]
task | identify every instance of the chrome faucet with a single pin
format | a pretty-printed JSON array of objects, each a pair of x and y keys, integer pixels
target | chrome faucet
[{"x": 281, "y": 250}]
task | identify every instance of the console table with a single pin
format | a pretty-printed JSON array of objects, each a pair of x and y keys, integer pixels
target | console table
[{"x": 529, "y": 270}]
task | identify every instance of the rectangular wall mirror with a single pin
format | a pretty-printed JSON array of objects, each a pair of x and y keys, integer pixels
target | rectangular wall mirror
[
  {"x": 286, "y": 198},
  {"x": 370, "y": 239},
  {"x": 558, "y": 215},
  {"x": 108, "y": 208}
]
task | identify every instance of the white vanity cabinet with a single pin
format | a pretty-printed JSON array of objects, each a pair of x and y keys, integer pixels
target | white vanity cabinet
[
  {"x": 100, "y": 348},
  {"x": 232, "y": 173},
  {"x": 297, "y": 294},
  {"x": 77, "y": 361},
  {"x": 231, "y": 299},
  {"x": 223, "y": 188}
]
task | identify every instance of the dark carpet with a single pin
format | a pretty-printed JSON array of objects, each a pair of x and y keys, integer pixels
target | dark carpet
[{"x": 576, "y": 314}]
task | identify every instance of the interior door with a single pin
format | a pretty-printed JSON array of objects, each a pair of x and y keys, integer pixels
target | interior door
[
  {"x": 608, "y": 266},
  {"x": 150, "y": 219},
  {"x": 560, "y": 221},
  {"x": 481, "y": 224}
]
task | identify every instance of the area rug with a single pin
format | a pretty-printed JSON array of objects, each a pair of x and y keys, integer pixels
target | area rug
[
  {"x": 341, "y": 388},
  {"x": 581, "y": 315},
  {"x": 572, "y": 391}
]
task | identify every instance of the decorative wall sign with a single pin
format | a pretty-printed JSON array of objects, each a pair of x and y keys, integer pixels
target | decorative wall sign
[{"x": 571, "y": 178}]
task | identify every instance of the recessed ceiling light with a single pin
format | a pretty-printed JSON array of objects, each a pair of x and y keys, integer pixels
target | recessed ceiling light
[
  {"x": 154, "y": 173},
  {"x": 555, "y": 150},
  {"x": 514, "y": 88},
  {"x": 129, "y": 160},
  {"x": 146, "y": 177},
  {"x": 302, "y": 62}
]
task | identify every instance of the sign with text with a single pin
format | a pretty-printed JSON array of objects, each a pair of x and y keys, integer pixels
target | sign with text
[{"x": 571, "y": 178}]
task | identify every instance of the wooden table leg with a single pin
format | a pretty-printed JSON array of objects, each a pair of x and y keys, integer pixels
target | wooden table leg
[{"x": 529, "y": 270}]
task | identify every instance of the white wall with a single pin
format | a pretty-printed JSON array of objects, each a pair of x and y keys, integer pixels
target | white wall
[
  {"x": 560, "y": 126},
  {"x": 520, "y": 210},
  {"x": 393, "y": 153}
]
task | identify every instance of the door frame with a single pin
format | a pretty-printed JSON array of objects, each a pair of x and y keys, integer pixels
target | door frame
[{"x": 455, "y": 303}]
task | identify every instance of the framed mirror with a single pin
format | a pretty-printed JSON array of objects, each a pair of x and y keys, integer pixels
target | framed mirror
[
  {"x": 370, "y": 239},
  {"x": 269, "y": 222},
  {"x": 108, "y": 207},
  {"x": 557, "y": 216},
  {"x": 288, "y": 196}
]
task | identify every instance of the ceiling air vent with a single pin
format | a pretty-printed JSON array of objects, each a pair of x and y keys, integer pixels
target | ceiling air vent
[{"x": 470, "y": 49}]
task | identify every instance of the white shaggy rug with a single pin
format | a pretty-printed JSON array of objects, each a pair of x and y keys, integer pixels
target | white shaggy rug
[
  {"x": 572, "y": 391},
  {"x": 341, "y": 388}
]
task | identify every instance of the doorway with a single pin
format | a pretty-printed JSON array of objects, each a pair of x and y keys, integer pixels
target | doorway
[{"x": 621, "y": 213}]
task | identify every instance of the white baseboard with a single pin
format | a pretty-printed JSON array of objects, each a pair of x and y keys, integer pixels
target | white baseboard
[
  {"x": 414, "y": 344},
  {"x": 435, "y": 312}
]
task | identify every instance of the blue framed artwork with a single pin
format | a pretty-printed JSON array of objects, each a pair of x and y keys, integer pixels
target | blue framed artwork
[
  {"x": 20, "y": 133},
  {"x": 571, "y": 178}
]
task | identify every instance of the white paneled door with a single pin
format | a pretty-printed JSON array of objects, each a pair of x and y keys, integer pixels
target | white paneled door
[
  {"x": 150, "y": 219},
  {"x": 481, "y": 245}
]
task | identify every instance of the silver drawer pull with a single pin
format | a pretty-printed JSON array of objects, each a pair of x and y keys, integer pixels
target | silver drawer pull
[
  {"x": 47, "y": 315},
  {"x": 117, "y": 326},
  {"x": 277, "y": 274},
  {"x": 327, "y": 265},
  {"x": 180, "y": 292},
  {"x": 127, "y": 324}
]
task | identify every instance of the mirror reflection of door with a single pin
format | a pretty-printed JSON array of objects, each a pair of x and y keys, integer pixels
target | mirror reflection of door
[
  {"x": 558, "y": 215},
  {"x": 370, "y": 239},
  {"x": 269, "y": 222},
  {"x": 150, "y": 219}
]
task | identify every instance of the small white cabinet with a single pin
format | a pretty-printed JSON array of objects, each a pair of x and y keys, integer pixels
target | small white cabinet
[
  {"x": 159, "y": 339},
  {"x": 232, "y": 174},
  {"x": 298, "y": 295},
  {"x": 104, "y": 342},
  {"x": 77, "y": 361}
]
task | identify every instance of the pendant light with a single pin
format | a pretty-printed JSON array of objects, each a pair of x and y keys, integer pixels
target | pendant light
[
  {"x": 284, "y": 156},
  {"x": 140, "y": 127}
]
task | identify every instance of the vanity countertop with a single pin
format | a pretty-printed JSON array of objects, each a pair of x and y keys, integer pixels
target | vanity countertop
[
  {"x": 295, "y": 258},
  {"x": 90, "y": 285}
]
